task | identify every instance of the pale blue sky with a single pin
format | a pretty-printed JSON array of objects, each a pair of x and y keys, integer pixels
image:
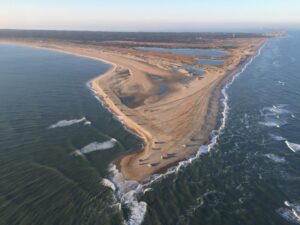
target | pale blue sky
[{"x": 147, "y": 15}]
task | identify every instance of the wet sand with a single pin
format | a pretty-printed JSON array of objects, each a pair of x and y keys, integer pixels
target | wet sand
[{"x": 172, "y": 124}]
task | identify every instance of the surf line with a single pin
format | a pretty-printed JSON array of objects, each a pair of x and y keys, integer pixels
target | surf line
[
  {"x": 215, "y": 133},
  {"x": 138, "y": 208}
]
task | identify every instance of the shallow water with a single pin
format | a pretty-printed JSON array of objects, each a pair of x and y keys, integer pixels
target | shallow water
[
  {"x": 212, "y": 53},
  {"x": 189, "y": 51},
  {"x": 244, "y": 179},
  {"x": 210, "y": 62},
  {"x": 194, "y": 71},
  {"x": 128, "y": 101}
]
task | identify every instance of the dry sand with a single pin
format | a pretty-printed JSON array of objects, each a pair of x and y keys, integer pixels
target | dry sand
[{"x": 178, "y": 121}]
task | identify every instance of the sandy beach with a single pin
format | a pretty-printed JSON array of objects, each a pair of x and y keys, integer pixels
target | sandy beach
[{"x": 144, "y": 89}]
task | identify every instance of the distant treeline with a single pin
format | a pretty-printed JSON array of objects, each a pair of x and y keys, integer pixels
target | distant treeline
[{"x": 120, "y": 36}]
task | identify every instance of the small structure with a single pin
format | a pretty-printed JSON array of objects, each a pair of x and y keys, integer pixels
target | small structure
[
  {"x": 167, "y": 155},
  {"x": 152, "y": 164}
]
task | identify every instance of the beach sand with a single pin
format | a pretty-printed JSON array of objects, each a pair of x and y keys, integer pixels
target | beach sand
[{"x": 173, "y": 118}]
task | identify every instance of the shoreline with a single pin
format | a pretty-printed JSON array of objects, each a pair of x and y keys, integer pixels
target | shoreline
[
  {"x": 214, "y": 137},
  {"x": 209, "y": 122},
  {"x": 221, "y": 120},
  {"x": 146, "y": 137}
]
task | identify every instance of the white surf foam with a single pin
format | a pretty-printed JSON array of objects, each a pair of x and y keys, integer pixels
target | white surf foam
[
  {"x": 97, "y": 146},
  {"x": 87, "y": 123},
  {"x": 293, "y": 146},
  {"x": 277, "y": 137},
  {"x": 107, "y": 183},
  {"x": 272, "y": 123},
  {"x": 291, "y": 212},
  {"x": 127, "y": 192},
  {"x": 214, "y": 134},
  {"x": 277, "y": 109},
  {"x": 137, "y": 209},
  {"x": 77, "y": 153},
  {"x": 275, "y": 158},
  {"x": 281, "y": 83},
  {"x": 66, "y": 123},
  {"x": 275, "y": 116},
  {"x": 130, "y": 189}
]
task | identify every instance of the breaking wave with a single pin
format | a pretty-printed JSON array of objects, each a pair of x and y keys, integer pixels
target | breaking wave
[
  {"x": 275, "y": 116},
  {"x": 137, "y": 209},
  {"x": 66, "y": 123},
  {"x": 277, "y": 124},
  {"x": 129, "y": 190},
  {"x": 107, "y": 183},
  {"x": 291, "y": 212},
  {"x": 214, "y": 134},
  {"x": 275, "y": 158},
  {"x": 277, "y": 138},
  {"x": 293, "y": 146},
  {"x": 277, "y": 109},
  {"x": 97, "y": 146}
]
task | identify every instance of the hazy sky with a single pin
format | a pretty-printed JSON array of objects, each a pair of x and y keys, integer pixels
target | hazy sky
[{"x": 138, "y": 15}]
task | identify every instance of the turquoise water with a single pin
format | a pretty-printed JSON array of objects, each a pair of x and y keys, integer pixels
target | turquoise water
[{"x": 250, "y": 176}]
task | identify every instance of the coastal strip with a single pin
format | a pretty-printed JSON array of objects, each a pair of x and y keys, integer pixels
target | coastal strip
[{"x": 173, "y": 125}]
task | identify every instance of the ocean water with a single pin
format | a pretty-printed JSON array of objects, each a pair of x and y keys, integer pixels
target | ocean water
[
  {"x": 250, "y": 176},
  {"x": 58, "y": 142}
]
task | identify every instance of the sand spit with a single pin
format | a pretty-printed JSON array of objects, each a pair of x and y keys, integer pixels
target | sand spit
[{"x": 173, "y": 125}]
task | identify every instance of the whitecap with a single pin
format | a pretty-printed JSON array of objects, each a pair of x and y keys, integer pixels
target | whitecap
[
  {"x": 275, "y": 158},
  {"x": 277, "y": 137},
  {"x": 270, "y": 124},
  {"x": 277, "y": 109},
  {"x": 293, "y": 146},
  {"x": 127, "y": 192},
  {"x": 107, "y": 183},
  {"x": 77, "y": 153},
  {"x": 97, "y": 146},
  {"x": 147, "y": 190},
  {"x": 66, "y": 123},
  {"x": 137, "y": 209},
  {"x": 275, "y": 116},
  {"x": 291, "y": 212},
  {"x": 87, "y": 123},
  {"x": 281, "y": 83}
]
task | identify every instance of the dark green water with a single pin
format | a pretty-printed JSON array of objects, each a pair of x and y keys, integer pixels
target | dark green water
[
  {"x": 244, "y": 179},
  {"x": 42, "y": 181}
]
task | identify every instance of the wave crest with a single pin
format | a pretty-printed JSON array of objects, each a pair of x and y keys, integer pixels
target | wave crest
[
  {"x": 97, "y": 146},
  {"x": 293, "y": 146},
  {"x": 275, "y": 158},
  {"x": 66, "y": 123}
]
